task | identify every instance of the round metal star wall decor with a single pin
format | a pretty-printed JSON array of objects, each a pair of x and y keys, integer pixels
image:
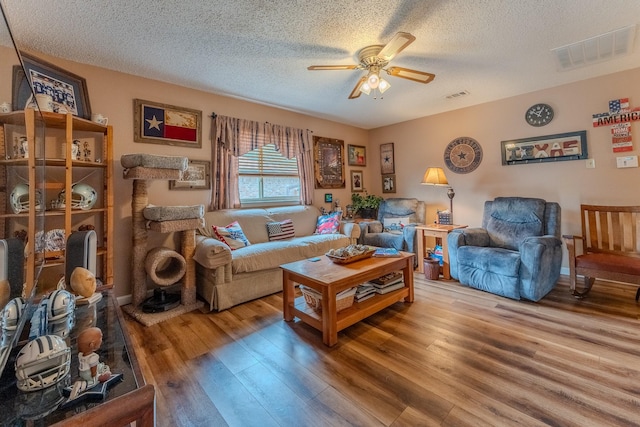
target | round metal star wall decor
[{"x": 463, "y": 155}]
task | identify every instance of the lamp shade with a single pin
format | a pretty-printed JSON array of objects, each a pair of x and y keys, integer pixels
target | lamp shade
[{"x": 434, "y": 176}]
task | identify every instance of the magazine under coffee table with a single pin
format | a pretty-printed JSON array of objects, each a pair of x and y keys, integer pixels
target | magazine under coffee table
[{"x": 329, "y": 279}]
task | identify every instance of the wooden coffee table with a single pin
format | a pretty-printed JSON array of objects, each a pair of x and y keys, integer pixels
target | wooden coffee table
[{"x": 329, "y": 279}]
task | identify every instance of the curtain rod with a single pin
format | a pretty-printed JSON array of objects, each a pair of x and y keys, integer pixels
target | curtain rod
[{"x": 214, "y": 115}]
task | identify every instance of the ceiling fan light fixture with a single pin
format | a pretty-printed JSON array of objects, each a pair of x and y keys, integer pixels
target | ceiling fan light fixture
[
  {"x": 383, "y": 86},
  {"x": 365, "y": 88},
  {"x": 373, "y": 78}
]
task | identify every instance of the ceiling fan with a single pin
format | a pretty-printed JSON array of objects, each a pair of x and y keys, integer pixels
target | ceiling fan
[{"x": 374, "y": 59}]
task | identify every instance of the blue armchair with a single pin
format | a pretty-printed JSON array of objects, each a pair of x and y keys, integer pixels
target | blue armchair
[
  {"x": 517, "y": 253},
  {"x": 387, "y": 232}
]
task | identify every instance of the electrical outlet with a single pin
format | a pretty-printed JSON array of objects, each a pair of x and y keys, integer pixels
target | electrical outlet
[{"x": 591, "y": 163}]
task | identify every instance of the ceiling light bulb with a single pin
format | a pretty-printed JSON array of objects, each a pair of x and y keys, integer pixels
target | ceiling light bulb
[
  {"x": 373, "y": 79},
  {"x": 383, "y": 86},
  {"x": 365, "y": 88}
]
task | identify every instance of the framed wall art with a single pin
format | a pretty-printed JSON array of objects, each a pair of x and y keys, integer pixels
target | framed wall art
[
  {"x": 357, "y": 184},
  {"x": 388, "y": 183},
  {"x": 549, "y": 148},
  {"x": 328, "y": 162},
  {"x": 357, "y": 155},
  {"x": 386, "y": 159},
  {"x": 196, "y": 177},
  {"x": 156, "y": 123},
  {"x": 67, "y": 90}
]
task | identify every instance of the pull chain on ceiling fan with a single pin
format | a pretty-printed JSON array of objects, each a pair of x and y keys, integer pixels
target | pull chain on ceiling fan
[{"x": 374, "y": 59}]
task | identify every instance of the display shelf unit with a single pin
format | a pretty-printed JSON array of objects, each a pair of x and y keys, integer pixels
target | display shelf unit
[{"x": 75, "y": 150}]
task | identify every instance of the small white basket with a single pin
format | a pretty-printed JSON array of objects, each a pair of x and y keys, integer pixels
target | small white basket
[{"x": 313, "y": 298}]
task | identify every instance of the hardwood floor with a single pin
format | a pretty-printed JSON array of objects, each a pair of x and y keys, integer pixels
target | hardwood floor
[{"x": 456, "y": 356}]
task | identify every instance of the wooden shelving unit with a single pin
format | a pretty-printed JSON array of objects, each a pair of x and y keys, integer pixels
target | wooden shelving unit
[{"x": 93, "y": 166}]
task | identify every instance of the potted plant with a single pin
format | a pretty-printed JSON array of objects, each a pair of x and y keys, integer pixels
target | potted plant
[{"x": 366, "y": 205}]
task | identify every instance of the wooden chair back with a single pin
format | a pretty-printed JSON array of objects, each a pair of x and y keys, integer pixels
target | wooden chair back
[{"x": 611, "y": 229}]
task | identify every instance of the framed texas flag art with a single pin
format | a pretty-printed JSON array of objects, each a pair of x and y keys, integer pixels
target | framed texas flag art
[{"x": 156, "y": 123}]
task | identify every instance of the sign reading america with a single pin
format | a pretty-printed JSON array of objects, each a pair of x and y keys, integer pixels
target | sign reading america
[
  {"x": 167, "y": 124},
  {"x": 619, "y": 117},
  {"x": 619, "y": 112}
]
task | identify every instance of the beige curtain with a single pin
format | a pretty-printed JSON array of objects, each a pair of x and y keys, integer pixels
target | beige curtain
[{"x": 234, "y": 137}]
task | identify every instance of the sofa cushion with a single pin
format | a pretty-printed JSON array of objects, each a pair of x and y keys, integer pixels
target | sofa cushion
[
  {"x": 280, "y": 230},
  {"x": 231, "y": 235},
  {"x": 264, "y": 256},
  {"x": 497, "y": 260},
  {"x": 329, "y": 223},
  {"x": 395, "y": 223},
  {"x": 514, "y": 219}
]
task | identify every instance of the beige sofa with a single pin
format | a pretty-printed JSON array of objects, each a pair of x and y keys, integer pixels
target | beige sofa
[{"x": 226, "y": 278}]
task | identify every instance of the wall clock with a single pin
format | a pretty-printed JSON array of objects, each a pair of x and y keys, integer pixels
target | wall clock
[
  {"x": 463, "y": 155},
  {"x": 539, "y": 115}
]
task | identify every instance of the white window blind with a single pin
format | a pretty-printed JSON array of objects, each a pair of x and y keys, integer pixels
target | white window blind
[{"x": 266, "y": 176}]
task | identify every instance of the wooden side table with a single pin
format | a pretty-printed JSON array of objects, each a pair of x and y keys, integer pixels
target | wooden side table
[{"x": 440, "y": 232}]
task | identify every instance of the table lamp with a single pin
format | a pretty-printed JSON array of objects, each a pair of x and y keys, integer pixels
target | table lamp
[{"x": 436, "y": 176}]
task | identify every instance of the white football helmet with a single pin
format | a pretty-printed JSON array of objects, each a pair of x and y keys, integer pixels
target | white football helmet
[
  {"x": 60, "y": 304},
  {"x": 12, "y": 313},
  {"x": 43, "y": 362},
  {"x": 19, "y": 199},
  {"x": 83, "y": 196}
]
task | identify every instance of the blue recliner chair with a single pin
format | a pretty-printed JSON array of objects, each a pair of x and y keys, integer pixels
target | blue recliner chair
[
  {"x": 387, "y": 231},
  {"x": 517, "y": 253}
]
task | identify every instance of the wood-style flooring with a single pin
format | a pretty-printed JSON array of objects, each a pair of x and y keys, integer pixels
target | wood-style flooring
[{"x": 455, "y": 357}]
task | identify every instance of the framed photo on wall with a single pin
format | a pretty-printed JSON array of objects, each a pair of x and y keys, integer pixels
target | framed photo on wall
[
  {"x": 67, "y": 90},
  {"x": 328, "y": 162},
  {"x": 386, "y": 159},
  {"x": 196, "y": 177},
  {"x": 357, "y": 184},
  {"x": 388, "y": 183},
  {"x": 357, "y": 155}
]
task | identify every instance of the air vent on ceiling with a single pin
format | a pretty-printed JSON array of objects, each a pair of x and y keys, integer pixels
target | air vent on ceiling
[
  {"x": 600, "y": 48},
  {"x": 458, "y": 94}
]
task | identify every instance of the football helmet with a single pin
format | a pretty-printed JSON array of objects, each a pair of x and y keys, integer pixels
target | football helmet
[
  {"x": 60, "y": 304},
  {"x": 19, "y": 199},
  {"x": 12, "y": 313},
  {"x": 43, "y": 362},
  {"x": 83, "y": 196}
]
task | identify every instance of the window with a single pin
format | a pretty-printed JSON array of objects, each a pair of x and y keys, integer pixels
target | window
[{"x": 266, "y": 176}]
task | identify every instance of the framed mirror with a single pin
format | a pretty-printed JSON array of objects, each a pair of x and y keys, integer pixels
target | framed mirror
[{"x": 22, "y": 172}]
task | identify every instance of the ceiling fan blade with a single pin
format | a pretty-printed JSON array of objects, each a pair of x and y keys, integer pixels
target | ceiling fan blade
[
  {"x": 332, "y": 67},
  {"x": 415, "y": 75},
  {"x": 396, "y": 45},
  {"x": 356, "y": 90}
]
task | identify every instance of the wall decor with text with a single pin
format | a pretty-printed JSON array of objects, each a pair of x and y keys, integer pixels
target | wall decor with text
[{"x": 549, "y": 148}]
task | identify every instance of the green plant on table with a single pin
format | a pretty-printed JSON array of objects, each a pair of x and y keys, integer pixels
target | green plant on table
[{"x": 362, "y": 202}]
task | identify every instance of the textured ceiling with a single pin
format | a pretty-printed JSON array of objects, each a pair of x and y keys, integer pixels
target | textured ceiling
[{"x": 260, "y": 50}]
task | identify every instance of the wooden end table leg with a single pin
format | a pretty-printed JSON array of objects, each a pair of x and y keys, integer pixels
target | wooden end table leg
[
  {"x": 445, "y": 257},
  {"x": 420, "y": 236},
  {"x": 287, "y": 297}
]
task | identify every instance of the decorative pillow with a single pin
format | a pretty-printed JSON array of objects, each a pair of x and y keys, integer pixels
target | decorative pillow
[
  {"x": 231, "y": 235},
  {"x": 329, "y": 223},
  {"x": 395, "y": 223},
  {"x": 280, "y": 230}
]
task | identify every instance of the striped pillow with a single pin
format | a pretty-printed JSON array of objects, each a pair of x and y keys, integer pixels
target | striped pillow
[{"x": 280, "y": 230}]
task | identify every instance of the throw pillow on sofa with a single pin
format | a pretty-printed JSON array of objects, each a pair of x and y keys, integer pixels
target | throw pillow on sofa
[
  {"x": 393, "y": 224},
  {"x": 329, "y": 223},
  {"x": 231, "y": 235},
  {"x": 280, "y": 230}
]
